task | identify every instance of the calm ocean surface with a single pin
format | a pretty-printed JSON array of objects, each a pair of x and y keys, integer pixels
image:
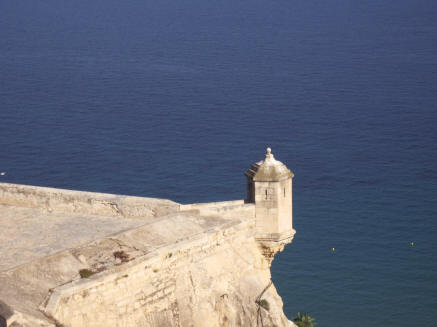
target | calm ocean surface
[{"x": 176, "y": 99}]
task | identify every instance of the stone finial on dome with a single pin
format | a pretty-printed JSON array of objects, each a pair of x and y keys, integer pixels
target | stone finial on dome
[{"x": 269, "y": 154}]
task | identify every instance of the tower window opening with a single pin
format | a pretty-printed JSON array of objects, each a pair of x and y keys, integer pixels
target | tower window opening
[{"x": 284, "y": 192}]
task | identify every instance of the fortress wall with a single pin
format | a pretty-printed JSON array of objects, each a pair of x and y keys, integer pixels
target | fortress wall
[
  {"x": 196, "y": 265},
  {"x": 102, "y": 204},
  {"x": 212, "y": 280}
]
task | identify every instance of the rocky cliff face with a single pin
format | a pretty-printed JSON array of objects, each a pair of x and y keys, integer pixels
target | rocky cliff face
[{"x": 196, "y": 266}]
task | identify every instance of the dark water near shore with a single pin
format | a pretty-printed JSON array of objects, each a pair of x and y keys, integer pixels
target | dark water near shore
[{"x": 176, "y": 99}]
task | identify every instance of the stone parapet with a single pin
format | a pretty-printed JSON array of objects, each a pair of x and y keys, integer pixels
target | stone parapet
[
  {"x": 224, "y": 209},
  {"x": 68, "y": 201}
]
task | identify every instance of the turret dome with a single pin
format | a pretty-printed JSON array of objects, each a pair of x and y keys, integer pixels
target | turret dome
[{"x": 268, "y": 170}]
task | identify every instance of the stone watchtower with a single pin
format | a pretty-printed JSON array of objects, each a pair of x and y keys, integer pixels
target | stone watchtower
[{"x": 269, "y": 188}]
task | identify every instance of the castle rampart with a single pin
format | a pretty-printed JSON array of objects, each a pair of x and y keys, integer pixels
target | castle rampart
[{"x": 72, "y": 258}]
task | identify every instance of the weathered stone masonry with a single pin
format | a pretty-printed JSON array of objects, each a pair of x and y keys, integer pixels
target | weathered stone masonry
[{"x": 143, "y": 262}]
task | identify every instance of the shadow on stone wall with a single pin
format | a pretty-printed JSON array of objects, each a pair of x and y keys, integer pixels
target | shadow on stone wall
[{"x": 5, "y": 313}]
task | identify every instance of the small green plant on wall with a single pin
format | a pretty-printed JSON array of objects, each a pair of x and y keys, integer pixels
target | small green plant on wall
[
  {"x": 264, "y": 304},
  {"x": 304, "y": 320},
  {"x": 86, "y": 273}
]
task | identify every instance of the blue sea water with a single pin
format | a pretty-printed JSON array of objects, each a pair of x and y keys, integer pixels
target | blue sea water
[{"x": 175, "y": 99}]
